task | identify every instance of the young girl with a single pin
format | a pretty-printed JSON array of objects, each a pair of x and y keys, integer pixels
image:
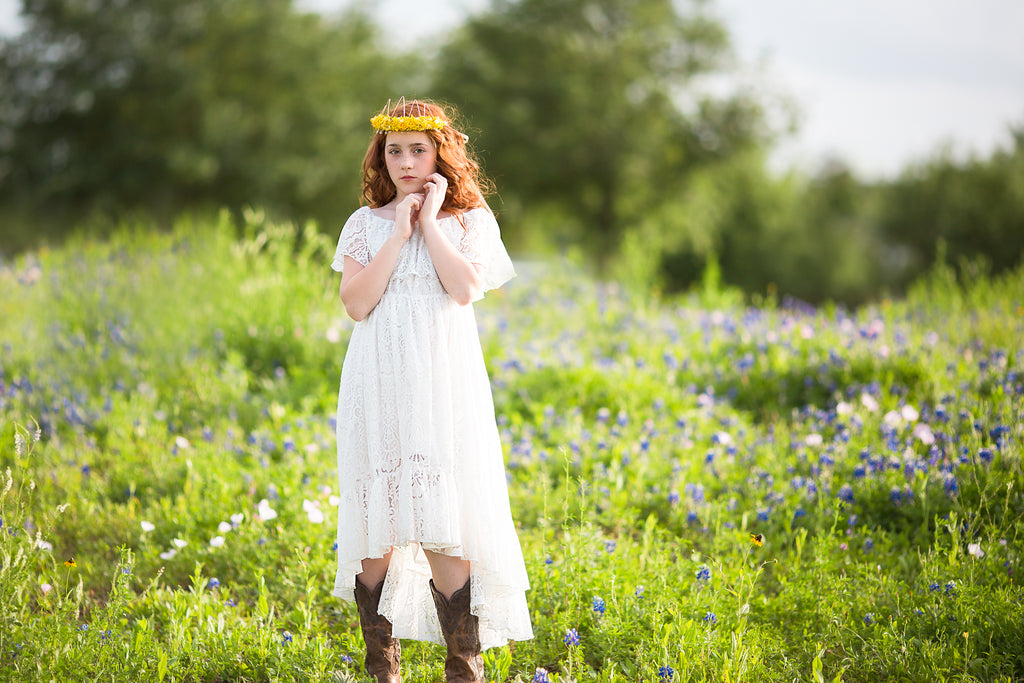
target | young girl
[{"x": 426, "y": 543}]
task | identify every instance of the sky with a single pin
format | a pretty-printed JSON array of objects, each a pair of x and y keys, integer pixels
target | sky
[{"x": 877, "y": 84}]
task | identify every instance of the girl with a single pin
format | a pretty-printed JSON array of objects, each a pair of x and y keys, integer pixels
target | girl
[{"x": 426, "y": 543}]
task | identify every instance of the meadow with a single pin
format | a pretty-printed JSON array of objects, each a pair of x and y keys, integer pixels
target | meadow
[{"x": 705, "y": 489}]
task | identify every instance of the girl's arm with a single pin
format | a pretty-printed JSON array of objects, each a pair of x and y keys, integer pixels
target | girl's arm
[
  {"x": 460, "y": 278},
  {"x": 363, "y": 286}
]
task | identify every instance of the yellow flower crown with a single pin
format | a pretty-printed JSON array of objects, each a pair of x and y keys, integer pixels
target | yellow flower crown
[{"x": 383, "y": 123}]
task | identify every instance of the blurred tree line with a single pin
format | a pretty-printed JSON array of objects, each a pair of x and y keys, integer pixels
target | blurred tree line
[{"x": 599, "y": 120}]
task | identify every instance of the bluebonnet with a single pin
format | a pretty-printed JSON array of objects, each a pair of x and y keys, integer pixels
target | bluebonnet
[
  {"x": 665, "y": 674},
  {"x": 598, "y": 605},
  {"x": 710, "y": 618},
  {"x": 571, "y": 637},
  {"x": 704, "y": 573},
  {"x": 541, "y": 675}
]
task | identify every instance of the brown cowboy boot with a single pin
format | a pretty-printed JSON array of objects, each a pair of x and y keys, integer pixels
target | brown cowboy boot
[
  {"x": 383, "y": 653},
  {"x": 461, "y": 630}
]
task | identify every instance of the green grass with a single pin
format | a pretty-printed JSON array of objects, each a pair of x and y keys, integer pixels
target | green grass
[{"x": 179, "y": 379}]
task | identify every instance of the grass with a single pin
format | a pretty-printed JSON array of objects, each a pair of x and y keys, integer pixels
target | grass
[{"x": 167, "y": 466}]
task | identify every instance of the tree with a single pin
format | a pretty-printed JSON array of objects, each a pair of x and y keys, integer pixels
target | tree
[
  {"x": 591, "y": 108},
  {"x": 163, "y": 105},
  {"x": 974, "y": 208}
]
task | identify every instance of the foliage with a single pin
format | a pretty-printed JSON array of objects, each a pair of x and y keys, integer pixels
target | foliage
[
  {"x": 974, "y": 210},
  {"x": 166, "y": 407},
  {"x": 596, "y": 108},
  {"x": 161, "y": 107}
]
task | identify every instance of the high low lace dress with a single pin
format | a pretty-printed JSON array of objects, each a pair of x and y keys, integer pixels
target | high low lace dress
[{"x": 420, "y": 463}]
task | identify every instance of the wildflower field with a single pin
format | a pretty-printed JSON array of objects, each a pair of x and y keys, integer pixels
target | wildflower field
[{"x": 704, "y": 490}]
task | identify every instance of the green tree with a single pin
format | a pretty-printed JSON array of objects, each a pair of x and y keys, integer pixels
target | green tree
[
  {"x": 975, "y": 208},
  {"x": 166, "y": 105},
  {"x": 590, "y": 109}
]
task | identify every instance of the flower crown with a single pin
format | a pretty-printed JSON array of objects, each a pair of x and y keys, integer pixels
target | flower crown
[{"x": 384, "y": 122}]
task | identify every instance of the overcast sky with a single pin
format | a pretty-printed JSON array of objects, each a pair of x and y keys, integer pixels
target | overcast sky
[{"x": 878, "y": 83}]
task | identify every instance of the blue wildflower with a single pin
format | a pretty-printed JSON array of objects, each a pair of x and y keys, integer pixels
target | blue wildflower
[
  {"x": 609, "y": 546},
  {"x": 214, "y": 583},
  {"x": 869, "y": 618},
  {"x": 347, "y": 659},
  {"x": 704, "y": 573},
  {"x": 710, "y": 618},
  {"x": 598, "y": 605},
  {"x": 846, "y": 493},
  {"x": 639, "y": 591},
  {"x": 571, "y": 637},
  {"x": 665, "y": 674},
  {"x": 286, "y": 637}
]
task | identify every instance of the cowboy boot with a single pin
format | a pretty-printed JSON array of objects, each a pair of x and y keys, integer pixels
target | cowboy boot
[
  {"x": 461, "y": 630},
  {"x": 383, "y": 653}
]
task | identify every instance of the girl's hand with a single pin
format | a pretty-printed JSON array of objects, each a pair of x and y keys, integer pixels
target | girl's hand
[
  {"x": 407, "y": 213},
  {"x": 436, "y": 187}
]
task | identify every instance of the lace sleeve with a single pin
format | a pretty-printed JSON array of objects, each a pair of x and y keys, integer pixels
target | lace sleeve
[
  {"x": 352, "y": 241},
  {"x": 481, "y": 244}
]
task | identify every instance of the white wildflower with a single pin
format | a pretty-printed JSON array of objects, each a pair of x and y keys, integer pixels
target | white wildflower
[
  {"x": 168, "y": 554},
  {"x": 909, "y": 413},
  {"x": 923, "y": 433},
  {"x": 869, "y": 402},
  {"x": 265, "y": 512},
  {"x": 224, "y": 527},
  {"x": 217, "y": 541},
  {"x": 179, "y": 543},
  {"x": 313, "y": 511},
  {"x": 147, "y": 526},
  {"x": 974, "y": 549}
]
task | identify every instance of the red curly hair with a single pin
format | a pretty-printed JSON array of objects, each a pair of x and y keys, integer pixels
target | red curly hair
[{"x": 466, "y": 182}]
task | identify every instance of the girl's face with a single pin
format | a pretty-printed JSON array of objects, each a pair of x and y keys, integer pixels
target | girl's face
[{"x": 410, "y": 157}]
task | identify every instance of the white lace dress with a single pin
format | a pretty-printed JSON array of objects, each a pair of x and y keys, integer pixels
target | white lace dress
[{"x": 420, "y": 462}]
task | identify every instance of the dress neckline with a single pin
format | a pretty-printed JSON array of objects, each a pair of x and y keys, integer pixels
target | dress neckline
[{"x": 392, "y": 220}]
